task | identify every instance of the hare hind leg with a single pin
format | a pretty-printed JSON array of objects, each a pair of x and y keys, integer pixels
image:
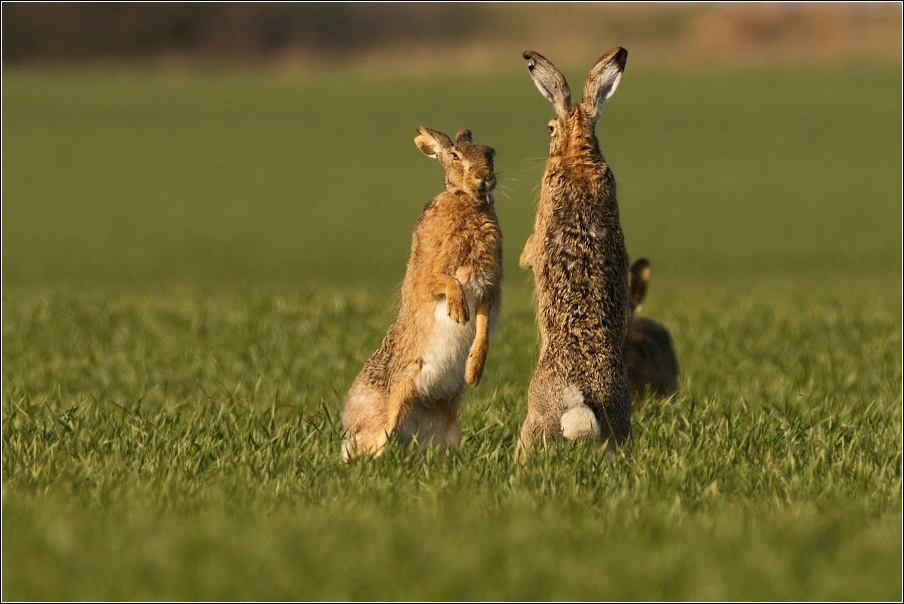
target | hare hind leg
[
  {"x": 544, "y": 411},
  {"x": 433, "y": 424},
  {"x": 364, "y": 441},
  {"x": 371, "y": 416},
  {"x": 365, "y": 403},
  {"x": 615, "y": 422}
]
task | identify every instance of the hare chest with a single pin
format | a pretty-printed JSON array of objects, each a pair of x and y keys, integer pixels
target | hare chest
[{"x": 442, "y": 373}]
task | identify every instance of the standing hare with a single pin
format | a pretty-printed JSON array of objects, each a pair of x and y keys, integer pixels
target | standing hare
[
  {"x": 649, "y": 356},
  {"x": 411, "y": 387},
  {"x": 580, "y": 267}
]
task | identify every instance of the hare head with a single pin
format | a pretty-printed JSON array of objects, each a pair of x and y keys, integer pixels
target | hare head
[
  {"x": 574, "y": 125},
  {"x": 468, "y": 166}
]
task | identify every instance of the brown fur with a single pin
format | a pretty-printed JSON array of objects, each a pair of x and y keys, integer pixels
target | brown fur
[
  {"x": 580, "y": 266},
  {"x": 411, "y": 387},
  {"x": 649, "y": 355}
]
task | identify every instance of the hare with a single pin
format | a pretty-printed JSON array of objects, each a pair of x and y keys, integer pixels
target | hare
[
  {"x": 649, "y": 355},
  {"x": 580, "y": 267},
  {"x": 411, "y": 387}
]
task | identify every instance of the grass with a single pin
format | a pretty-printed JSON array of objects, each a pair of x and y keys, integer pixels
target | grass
[{"x": 196, "y": 267}]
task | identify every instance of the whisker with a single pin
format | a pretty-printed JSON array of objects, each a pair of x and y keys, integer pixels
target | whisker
[
  {"x": 505, "y": 190},
  {"x": 523, "y": 169}
]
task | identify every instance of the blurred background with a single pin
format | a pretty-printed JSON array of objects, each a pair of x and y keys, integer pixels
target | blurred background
[
  {"x": 448, "y": 35},
  {"x": 272, "y": 142}
]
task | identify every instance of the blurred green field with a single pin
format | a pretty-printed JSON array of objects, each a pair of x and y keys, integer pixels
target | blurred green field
[
  {"x": 250, "y": 177},
  {"x": 196, "y": 265}
]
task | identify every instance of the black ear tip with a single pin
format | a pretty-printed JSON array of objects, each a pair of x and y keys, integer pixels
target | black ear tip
[
  {"x": 527, "y": 54},
  {"x": 639, "y": 266}
]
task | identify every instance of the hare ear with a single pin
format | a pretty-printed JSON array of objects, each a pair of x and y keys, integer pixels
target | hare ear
[
  {"x": 432, "y": 142},
  {"x": 603, "y": 80},
  {"x": 549, "y": 81},
  {"x": 463, "y": 136},
  {"x": 638, "y": 280}
]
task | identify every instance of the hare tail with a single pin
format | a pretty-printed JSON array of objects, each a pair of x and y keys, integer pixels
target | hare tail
[{"x": 579, "y": 420}]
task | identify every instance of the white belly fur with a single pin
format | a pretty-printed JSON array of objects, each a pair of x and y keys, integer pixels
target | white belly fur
[{"x": 443, "y": 372}]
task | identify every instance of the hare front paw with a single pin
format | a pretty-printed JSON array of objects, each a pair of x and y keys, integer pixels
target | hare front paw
[
  {"x": 457, "y": 307},
  {"x": 473, "y": 370},
  {"x": 476, "y": 361},
  {"x": 526, "y": 259}
]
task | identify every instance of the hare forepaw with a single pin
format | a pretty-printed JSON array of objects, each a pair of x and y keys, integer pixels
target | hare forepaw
[
  {"x": 526, "y": 259},
  {"x": 473, "y": 370},
  {"x": 458, "y": 309}
]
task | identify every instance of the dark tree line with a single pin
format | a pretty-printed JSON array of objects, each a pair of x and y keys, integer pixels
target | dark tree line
[{"x": 71, "y": 32}]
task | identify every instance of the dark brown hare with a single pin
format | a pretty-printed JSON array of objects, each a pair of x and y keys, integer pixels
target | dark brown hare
[
  {"x": 579, "y": 262},
  {"x": 649, "y": 356}
]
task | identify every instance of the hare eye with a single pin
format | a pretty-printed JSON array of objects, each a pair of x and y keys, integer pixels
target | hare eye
[
  {"x": 552, "y": 128},
  {"x": 455, "y": 156}
]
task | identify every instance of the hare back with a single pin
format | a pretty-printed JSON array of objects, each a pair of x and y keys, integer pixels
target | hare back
[
  {"x": 650, "y": 359},
  {"x": 582, "y": 305},
  {"x": 581, "y": 267},
  {"x": 649, "y": 334},
  {"x": 583, "y": 320}
]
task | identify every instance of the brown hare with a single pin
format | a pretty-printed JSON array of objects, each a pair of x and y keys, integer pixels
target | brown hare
[
  {"x": 580, "y": 266},
  {"x": 649, "y": 356},
  {"x": 411, "y": 387}
]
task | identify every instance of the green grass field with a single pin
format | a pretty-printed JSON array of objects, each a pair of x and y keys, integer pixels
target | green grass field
[{"x": 195, "y": 266}]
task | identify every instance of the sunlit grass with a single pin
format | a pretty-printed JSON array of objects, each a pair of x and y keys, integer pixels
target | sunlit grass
[
  {"x": 189, "y": 433},
  {"x": 195, "y": 268}
]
